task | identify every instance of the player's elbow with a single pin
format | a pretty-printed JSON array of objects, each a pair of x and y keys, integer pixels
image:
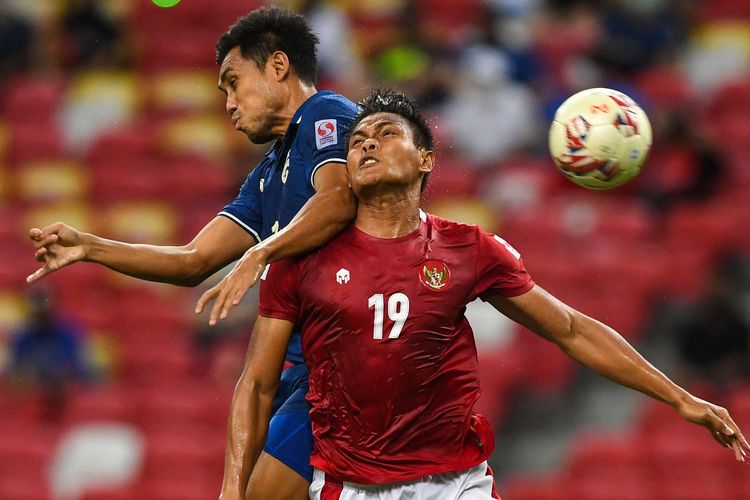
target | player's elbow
[
  {"x": 568, "y": 330},
  {"x": 196, "y": 268}
]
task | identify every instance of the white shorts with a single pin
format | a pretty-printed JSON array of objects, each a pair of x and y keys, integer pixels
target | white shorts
[{"x": 476, "y": 483}]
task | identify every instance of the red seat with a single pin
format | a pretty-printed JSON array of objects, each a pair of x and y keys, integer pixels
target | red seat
[
  {"x": 35, "y": 141},
  {"x": 613, "y": 485},
  {"x": 33, "y": 100},
  {"x": 595, "y": 453},
  {"x": 102, "y": 404},
  {"x": 533, "y": 488}
]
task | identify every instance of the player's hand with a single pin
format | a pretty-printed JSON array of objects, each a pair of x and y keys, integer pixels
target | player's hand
[
  {"x": 57, "y": 245},
  {"x": 718, "y": 421},
  {"x": 230, "y": 290}
]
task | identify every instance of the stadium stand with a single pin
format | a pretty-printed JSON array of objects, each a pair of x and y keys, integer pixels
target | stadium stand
[{"x": 142, "y": 150}]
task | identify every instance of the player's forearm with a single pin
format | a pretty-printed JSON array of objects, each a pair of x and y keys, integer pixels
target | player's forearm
[
  {"x": 248, "y": 426},
  {"x": 170, "y": 264},
  {"x": 318, "y": 221},
  {"x": 602, "y": 349}
]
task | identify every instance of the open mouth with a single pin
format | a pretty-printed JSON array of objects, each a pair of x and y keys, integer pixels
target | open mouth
[{"x": 367, "y": 161}]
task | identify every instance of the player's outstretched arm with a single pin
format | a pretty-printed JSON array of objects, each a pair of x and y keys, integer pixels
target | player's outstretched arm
[
  {"x": 602, "y": 349},
  {"x": 330, "y": 210},
  {"x": 252, "y": 402},
  {"x": 219, "y": 243}
]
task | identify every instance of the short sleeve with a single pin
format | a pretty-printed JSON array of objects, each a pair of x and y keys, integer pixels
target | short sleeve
[
  {"x": 245, "y": 210},
  {"x": 323, "y": 132},
  {"x": 499, "y": 268},
  {"x": 278, "y": 284}
]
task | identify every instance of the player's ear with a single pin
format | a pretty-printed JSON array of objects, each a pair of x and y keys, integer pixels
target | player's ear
[
  {"x": 428, "y": 160},
  {"x": 278, "y": 63}
]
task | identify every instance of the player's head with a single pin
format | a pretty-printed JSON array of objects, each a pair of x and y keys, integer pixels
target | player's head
[
  {"x": 259, "y": 56},
  {"x": 390, "y": 143}
]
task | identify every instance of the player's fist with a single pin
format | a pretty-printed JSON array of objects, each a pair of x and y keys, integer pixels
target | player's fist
[
  {"x": 718, "y": 421},
  {"x": 57, "y": 245}
]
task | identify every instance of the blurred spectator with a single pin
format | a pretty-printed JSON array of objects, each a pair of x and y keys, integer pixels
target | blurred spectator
[
  {"x": 713, "y": 335},
  {"x": 690, "y": 166},
  {"x": 638, "y": 34},
  {"x": 490, "y": 116},
  {"x": 16, "y": 39},
  {"x": 89, "y": 36},
  {"x": 47, "y": 354},
  {"x": 339, "y": 66}
]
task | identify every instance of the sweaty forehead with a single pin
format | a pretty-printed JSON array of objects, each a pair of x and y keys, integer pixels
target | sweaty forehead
[
  {"x": 234, "y": 61},
  {"x": 379, "y": 119}
]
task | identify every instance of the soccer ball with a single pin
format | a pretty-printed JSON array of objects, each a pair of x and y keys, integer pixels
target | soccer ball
[{"x": 599, "y": 138}]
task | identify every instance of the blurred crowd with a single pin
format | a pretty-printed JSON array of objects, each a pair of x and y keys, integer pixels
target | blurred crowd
[{"x": 110, "y": 120}]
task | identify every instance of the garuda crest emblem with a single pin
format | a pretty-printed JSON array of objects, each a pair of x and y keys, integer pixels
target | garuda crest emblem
[{"x": 435, "y": 275}]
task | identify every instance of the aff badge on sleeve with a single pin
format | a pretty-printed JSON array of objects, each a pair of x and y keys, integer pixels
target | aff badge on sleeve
[
  {"x": 325, "y": 133},
  {"x": 435, "y": 275}
]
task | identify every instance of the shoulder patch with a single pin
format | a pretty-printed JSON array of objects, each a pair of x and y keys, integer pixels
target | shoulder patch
[{"x": 325, "y": 133}]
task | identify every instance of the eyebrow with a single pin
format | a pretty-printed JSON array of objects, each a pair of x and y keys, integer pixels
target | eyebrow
[{"x": 379, "y": 125}]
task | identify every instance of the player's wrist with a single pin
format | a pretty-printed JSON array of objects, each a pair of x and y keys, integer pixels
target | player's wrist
[
  {"x": 91, "y": 247},
  {"x": 260, "y": 253}
]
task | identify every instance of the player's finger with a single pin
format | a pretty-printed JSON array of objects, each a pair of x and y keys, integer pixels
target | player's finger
[
  {"x": 218, "y": 305},
  {"x": 41, "y": 254},
  {"x": 47, "y": 240},
  {"x": 204, "y": 299},
  {"x": 738, "y": 454},
  {"x": 35, "y": 233},
  {"x": 39, "y": 273},
  {"x": 240, "y": 293}
]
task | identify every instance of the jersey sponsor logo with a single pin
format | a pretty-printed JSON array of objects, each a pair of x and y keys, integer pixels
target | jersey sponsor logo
[
  {"x": 435, "y": 275},
  {"x": 508, "y": 247},
  {"x": 325, "y": 133},
  {"x": 342, "y": 276}
]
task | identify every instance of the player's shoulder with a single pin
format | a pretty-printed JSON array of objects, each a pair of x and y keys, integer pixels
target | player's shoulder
[
  {"x": 452, "y": 228},
  {"x": 329, "y": 103}
]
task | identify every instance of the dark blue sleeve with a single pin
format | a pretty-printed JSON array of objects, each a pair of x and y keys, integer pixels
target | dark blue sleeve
[
  {"x": 245, "y": 210},
  {"x": 323, "y": 132}
]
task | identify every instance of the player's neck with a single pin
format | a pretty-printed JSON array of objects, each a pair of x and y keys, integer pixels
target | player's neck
[
  {"x": 388, "y": 216},
  {"x": 299, "y": 92}
]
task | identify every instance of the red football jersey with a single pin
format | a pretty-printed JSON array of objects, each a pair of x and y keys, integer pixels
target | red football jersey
[{"x": 392, "y": 359}]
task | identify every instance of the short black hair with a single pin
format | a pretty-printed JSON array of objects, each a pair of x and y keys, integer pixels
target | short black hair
[
  {"x": 268, "y": 29},
  {"x": 390, "y": 101}
]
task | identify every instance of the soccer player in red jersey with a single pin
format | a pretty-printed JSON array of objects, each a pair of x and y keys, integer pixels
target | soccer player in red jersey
[{"x": 392, "y": 359}]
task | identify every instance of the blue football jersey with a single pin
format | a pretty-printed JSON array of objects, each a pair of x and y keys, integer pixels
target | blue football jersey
[{"x": 283, "y": 181}]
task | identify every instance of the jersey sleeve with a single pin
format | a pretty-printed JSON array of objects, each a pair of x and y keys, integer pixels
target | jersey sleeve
[
  {"x": 245, "y": 210},
  {"x": 278, "y": 285},
  {"x": 323, "y": 133},
  {"x": 499, "y": 269}
]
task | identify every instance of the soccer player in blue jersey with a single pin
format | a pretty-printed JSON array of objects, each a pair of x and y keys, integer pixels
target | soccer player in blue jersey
[{"x": 296, "y": 199}]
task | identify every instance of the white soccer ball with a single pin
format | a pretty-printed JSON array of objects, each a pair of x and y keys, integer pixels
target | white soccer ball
[{"x": 599, "y": 138}]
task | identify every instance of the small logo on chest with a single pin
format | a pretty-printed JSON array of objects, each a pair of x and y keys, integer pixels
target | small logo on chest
[
  {"x": 342, "y": 276},
  {"x": 435, "y": 275}
]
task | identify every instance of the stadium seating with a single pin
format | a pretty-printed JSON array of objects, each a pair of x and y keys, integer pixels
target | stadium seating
[{"x": 147, "y": 154}]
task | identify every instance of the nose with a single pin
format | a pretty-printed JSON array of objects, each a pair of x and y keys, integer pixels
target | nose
[
  {"x": 231, "y": 105},
  {"x": 369, "y": 144}
]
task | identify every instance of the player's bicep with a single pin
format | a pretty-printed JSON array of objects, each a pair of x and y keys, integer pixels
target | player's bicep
[
  {"x": 266, "y": 352},
  {"x": 539, "y": 311},
  {"x": 220, "y": 242}
]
